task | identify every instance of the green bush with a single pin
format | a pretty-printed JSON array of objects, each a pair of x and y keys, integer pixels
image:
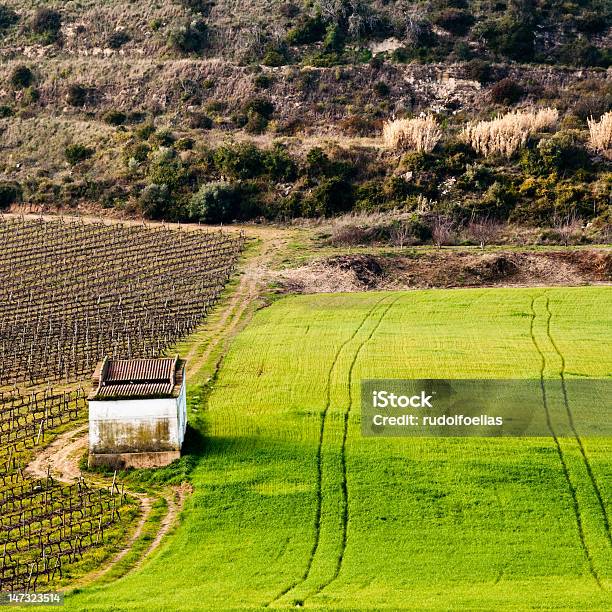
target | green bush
[
  {"x": 317, "y": 162},
  {"x": 31, "y": 95},
  {"x": 499, "y": 199},
  {"x": 456, "y": 21},
  {"x": 261, "y": 106},
  {"x": 6, "y": 111},
  {"x": 22, "y": 77},
  {"x": 331, "y": 196},
  {"x": 117, "y": 39},
  {"x": 273, "y": 58},
  {"x": 167, "y": 169},
  {"x": 507, "y": 91},
  {"x": 190, "y": 38},
  {"x": 114, "y": 117},
  {"x": 8, "y": 17},
  {"x": 255, "y": 124},
  {"x": 216, "y": 202},
  {"x": 10, "y": 193},
  {"x": 77, "y": 95},
  {"x": 382, "y": 89},
  {"x": 46, "y": 24},
  {"x": 136, "y": 153},
  {"x": 279, "y": 165},
  {"x": 479, "y": 70},
  {"x": 76, "y": 153},
  {"x": 308, "y": 30},
  {"x": 334, "y": 39},
  {"x": 581, "y": 53},
  {"x": 239, "y": 161},
  {"x": 512, "y": 36},
  {"x": 155, "y": 201},
  {"x": 200, "y": 121},
  {"x": 262, "y": 81},
  {"x": 562, "y": 153}
]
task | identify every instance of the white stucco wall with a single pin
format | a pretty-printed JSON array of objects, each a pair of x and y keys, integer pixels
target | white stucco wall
[{"x": 137, "y": 425}]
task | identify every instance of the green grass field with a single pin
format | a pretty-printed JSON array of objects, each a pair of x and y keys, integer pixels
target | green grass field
[{"x": 292, "y": 506}]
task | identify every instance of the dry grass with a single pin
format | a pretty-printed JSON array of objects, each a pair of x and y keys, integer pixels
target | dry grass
[
  {"x": 506, "y": 134},
  {"x": 420, "y": 134},
  {"x": 600, "y": 138}
]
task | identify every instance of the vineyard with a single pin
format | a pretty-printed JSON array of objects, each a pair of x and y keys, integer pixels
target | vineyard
[{"x": 72, "y": 293}]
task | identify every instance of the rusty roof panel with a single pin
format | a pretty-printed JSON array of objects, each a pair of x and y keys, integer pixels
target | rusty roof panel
[
  {"x": 137, "y": 378},
  {"x": 123, "y": 390},
  {"x": 139, "y": 370}
]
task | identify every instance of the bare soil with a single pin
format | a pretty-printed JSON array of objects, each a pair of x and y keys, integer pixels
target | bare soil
[{"x": 448, "y": 269}]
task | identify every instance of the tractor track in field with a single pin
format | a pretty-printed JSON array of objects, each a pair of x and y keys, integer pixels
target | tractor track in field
[
  {"x": 347, "y": 414},
  {"x": 319, "y": 494},
  {"x": 564, "y": 467},
  {"x": 566, "y": 403}
]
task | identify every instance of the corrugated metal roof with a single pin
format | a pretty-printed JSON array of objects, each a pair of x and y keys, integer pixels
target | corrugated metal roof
[
  {"x": 137, "y": 370},
  {"x": 135, "y": 390},
  {"x": 137, "y": 378}
]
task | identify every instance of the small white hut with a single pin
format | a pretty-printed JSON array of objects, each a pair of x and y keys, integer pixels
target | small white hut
[{"x": 137, "y": 412}]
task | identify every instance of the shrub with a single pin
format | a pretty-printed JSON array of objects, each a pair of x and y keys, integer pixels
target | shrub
[
  {"x": 456, "y": 21},
  {"x": 197, "y": 6},
  {"x": 308, "y": 30},
  {"x": 261, "y": 106},
  {"x": 512, "y": 36},
  {"x": 382, "y": 89},
  {"x": 581, "y": 52},
  {"x": 255, "y": 124},
  {"x": 317, "y": 162},
  {"x": 507, "y": 134},
  {"x": 600, "y": 134},
  {"x": 358, "y": 125},
  {"x": 76, "y": 153},
  {"x": 10, "y": 193},
  {"x": 8, "y": 17},
  {"x": 136, "y": 153},
  {"x": 240, "y": 161},
  {"x": 166, "y": 169},
  {"x": 332, "y": 195},
  {"x": 47, "y": 24},
  {"x": 200, "y": 121},
  {"x": 216, "y": 202},
  {"x": 273, "y": 58},
  {"x": 561, "y": 154},
  {"x": 334, "y": 38},
  {"x": 185, "y": 144},
  {"x": 77, "y": 95},
  {"x": 421, "y": 134},
  {"x": 117, "y": 39},
  {"x": 190, "y": 38},
  {"x": 114, "y": 117},
  {"x": 6, "y": 111},
  {"x": 154, "y": 201},
  {"x": 262, "y": 81},
  {"x": 506, "y": 91},
  {"x": 22, "y": 77},
  {"x": 279, "y": 165},
  {"x": 478, "y": 70}
]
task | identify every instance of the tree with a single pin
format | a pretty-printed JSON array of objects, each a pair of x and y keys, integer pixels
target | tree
[
  {"x": 483, "y": 231},
  {"x": 441, "y": 230}
]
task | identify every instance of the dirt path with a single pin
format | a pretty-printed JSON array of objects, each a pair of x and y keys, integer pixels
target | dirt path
[
  {"x": 252, "y": 280},
  {"x": 61, "y": 458}
]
